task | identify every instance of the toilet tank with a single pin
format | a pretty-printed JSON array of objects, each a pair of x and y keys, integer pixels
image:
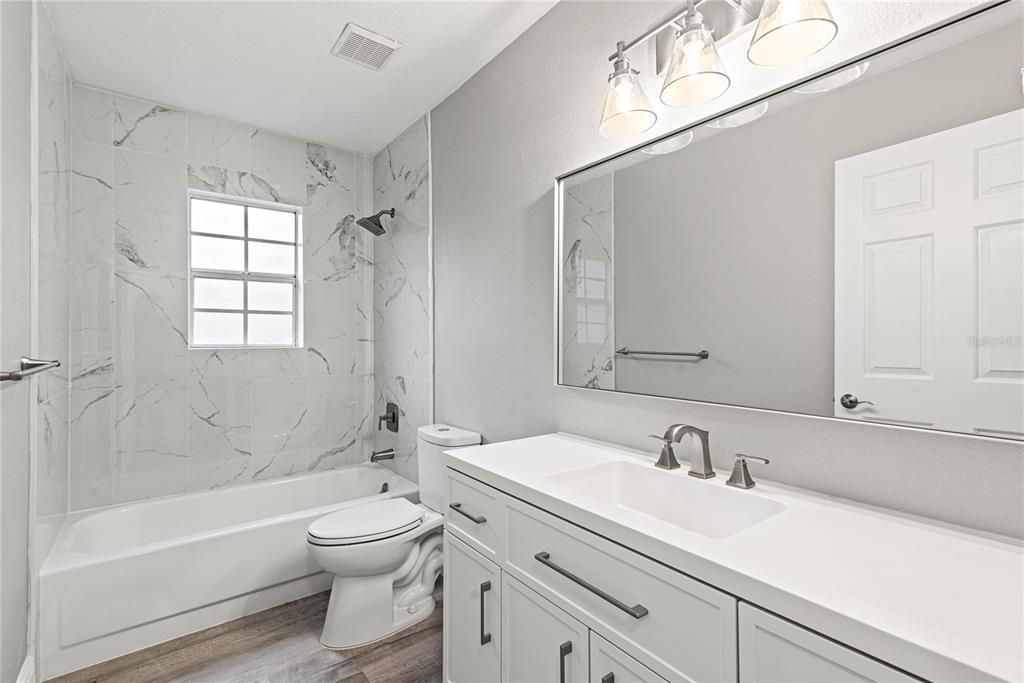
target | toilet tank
[{"x": 431, "y": 441}]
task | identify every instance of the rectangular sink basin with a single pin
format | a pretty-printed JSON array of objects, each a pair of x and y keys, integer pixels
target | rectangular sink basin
[{"x": 644, "y": 492}]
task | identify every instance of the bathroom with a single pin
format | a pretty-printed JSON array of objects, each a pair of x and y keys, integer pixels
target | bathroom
[{"x": 364, "y": 315}]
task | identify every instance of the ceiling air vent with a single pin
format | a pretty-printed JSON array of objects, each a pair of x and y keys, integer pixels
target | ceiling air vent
[{"x": 362, "y": 46}]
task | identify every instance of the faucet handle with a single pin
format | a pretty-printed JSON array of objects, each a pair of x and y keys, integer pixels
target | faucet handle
[
  {"x": 667, "y": 457},
  {"x": 740, "y": 477}
]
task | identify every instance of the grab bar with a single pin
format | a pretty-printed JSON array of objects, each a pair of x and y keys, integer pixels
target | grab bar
[
  {"x": 29, "y": 366},
  {"x": 626, "y": 351}
]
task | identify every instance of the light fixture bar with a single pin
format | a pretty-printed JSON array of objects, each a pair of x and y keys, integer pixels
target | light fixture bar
[{"x": 658, "y": 28}]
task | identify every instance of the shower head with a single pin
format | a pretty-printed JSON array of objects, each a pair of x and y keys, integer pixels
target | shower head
[{"x": 374, "y": 224}]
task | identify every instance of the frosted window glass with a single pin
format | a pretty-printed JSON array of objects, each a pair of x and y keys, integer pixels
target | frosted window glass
[
  {"x": 270, "y": 330},
  {"x": 267, "y": 224},
  {"x": 217, "y": 329},
  {"x": 211, "y": 293},
  {"x": 271, "y": 258},
  {"x": 214, "y": 253},
  {"x": 270, "y": 296},
  {"x": 218, "y": 217}
]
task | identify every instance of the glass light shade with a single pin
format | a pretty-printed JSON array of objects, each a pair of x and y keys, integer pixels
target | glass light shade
[
  {"x": 695, "y": 73},
  {"x": 627, "y": 111},
  {"x": 790, "y": 30},
  {"x": 742, "y": 117},
  {"x": 673, "y": 144}
]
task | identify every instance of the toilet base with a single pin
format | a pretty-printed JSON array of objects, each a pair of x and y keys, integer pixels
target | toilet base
[{"x": 366, "y": 609}]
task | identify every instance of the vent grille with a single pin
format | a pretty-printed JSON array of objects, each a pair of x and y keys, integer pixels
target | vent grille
[{"x": 364, "y": 47}]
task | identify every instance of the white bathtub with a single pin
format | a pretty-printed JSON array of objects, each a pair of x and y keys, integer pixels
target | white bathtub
[{"x": 120, "y": 579}]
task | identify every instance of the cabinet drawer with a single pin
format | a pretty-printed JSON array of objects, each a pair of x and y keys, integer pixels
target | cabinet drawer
[
  {"x": 475, "y": 513},
  {"x": 682, "y": 629},
  {"x": 773, "y": 650},
  {"x": 609, "y": 664}
]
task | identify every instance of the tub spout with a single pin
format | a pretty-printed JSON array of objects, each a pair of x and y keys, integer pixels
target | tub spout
[{"x": 386, "y": 454}]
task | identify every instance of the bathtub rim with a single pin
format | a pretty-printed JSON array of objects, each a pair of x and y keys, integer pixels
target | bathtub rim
[{"x": 61, "y": 558}]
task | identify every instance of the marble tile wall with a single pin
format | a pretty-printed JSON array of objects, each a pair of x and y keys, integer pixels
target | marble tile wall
[
  {"x": 51, "y": 270},
  {"x": 402, "y": 313},
  {"x": 588, "y": 329},
  {"x": 150, "y": 417}
]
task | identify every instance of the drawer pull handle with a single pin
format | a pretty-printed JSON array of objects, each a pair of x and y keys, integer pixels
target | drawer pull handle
[
  {"x": 636, "y": 611},
  {"x": 608, "y": 678},
  {"x": 564, "y": 650},
  {"x": 477, "y": 519},
  {"x": 485, "y": 637}
]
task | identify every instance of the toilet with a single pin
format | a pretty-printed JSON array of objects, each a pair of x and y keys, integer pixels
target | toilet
[{"x": 386, "y": 554}]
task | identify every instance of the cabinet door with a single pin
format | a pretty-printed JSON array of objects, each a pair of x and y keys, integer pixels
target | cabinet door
[
  {"x": 540, "y": 642},
  {"x": 472, "y": 623},
  {"x": 609, "y": 664},
  {"x": 775, "y": 651}
]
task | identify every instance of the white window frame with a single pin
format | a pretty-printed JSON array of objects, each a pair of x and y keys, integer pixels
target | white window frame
[{"x": 244, "y": 275}]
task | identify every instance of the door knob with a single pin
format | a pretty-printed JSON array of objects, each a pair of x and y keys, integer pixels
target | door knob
[{"x": 849, "y": 401}]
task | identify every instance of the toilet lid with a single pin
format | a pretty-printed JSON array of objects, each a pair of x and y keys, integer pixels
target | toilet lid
[{"x": 368, "y": 521}]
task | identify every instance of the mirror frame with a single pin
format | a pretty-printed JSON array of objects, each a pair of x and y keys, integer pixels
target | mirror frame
[{"x": 987, "y": 9}]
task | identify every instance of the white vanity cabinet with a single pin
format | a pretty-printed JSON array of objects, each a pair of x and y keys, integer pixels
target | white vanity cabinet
[
  {"x": 533, "y": 598},
  {"x": 773, "y": 650},
  {"x": 540, "y": 642}
]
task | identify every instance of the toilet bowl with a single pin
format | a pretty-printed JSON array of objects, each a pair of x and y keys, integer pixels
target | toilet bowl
[{"x": 386, "y": 554}]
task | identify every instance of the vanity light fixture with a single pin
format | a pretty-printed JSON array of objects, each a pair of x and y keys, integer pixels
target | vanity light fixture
[
  {"x": 742, "y": 117},
  {"x": 790, "y": 30},
  {"x": 627, "y": 111},
  {"x": 673, "y": 144},
  {"x": 695, "y": 73},
  {"x": 836, "y": 80}
]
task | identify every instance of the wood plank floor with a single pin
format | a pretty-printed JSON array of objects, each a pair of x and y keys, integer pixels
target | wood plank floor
[{"x": 279, "y": 645}]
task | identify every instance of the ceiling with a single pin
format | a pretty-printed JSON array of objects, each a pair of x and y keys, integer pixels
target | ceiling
[{"x": 268, "y": 64}]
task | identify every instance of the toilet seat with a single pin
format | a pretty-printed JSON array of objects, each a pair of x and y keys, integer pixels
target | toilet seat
[{"x": 366, "y": 522}]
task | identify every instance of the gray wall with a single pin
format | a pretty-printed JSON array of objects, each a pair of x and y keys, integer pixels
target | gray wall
[
  {"x": 498, "y": 142},
  {"x": 733, "y": 236},
  {"x": 15, "y": 24}
]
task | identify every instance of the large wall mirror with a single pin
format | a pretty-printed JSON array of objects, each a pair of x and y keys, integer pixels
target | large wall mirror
[{"x": 852, "y": 247}]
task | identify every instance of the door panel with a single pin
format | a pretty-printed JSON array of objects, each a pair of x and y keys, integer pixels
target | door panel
[
  {"x": 472, "y": 625},
  {"x": 540, "y": 642},
  {"x": 609, "y": 664},
  {"x": 930, "y": 280}
]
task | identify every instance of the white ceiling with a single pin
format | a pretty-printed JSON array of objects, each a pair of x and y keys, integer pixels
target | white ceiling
[{"x": 268, "y": 64}]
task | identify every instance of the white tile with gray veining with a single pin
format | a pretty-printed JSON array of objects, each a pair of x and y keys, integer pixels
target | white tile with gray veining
[
  {"x": 217, "y": 142},
  {"x": 281, "y": 420},
  {"x": 92, "y": 116},
  {"x": 219, "y": 433},
  {"x": 91, "y": 357},
  {"x": 150, "y": 440},
  {"x": 150, "y": 340},
  {"x": 91, "y": 476},
  {"x": 149, "y": 127},
  {"x": 149, "y": 213},
  {"x": 92, "y": 202},
  {"x": 281, "y": 161}
]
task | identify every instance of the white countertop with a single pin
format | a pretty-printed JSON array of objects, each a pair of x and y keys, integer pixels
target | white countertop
[{"x": 942, "y": 603}]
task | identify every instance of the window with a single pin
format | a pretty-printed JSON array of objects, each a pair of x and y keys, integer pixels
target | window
[
  {"x": 244, "y": 273},
  {"x": 591, "y": 302}
]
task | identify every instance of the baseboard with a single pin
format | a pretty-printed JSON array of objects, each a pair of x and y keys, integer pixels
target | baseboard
[{"x": 27, "y": 673}]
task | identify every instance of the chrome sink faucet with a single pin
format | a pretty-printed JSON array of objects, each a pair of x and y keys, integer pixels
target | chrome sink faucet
[{"x": 700, "y": 468}]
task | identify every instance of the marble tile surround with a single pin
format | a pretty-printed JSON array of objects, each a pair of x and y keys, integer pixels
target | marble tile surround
[
  {"x": 150, "y": 417},
  {"x": 402, "y": 336},
  {"x": 51, "y": 271},
  {"x": 588, "y": 322}
]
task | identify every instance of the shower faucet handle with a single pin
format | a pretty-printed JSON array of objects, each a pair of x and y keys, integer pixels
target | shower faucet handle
[{"x": 389, "y": 418}]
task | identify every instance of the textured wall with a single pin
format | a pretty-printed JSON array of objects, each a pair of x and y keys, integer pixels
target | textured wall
[
  {"x": 403, "y": 364},
  {"x": 149, "y": 417},
  {"x": 497, "y": 145}
]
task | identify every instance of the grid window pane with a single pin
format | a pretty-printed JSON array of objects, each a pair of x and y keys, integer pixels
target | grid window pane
[
  {"x": 266, "y": 330},
  {"x": 214, "y": 253},
  {"x": 214, "y": 293},
  {"x": 217, "y": 329},
  {"x": 218, "y": 217},
  {"x": 271, "y": 296},
  {"x": 268, "y": 224},
  {"x": 271, "y": 258}
]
